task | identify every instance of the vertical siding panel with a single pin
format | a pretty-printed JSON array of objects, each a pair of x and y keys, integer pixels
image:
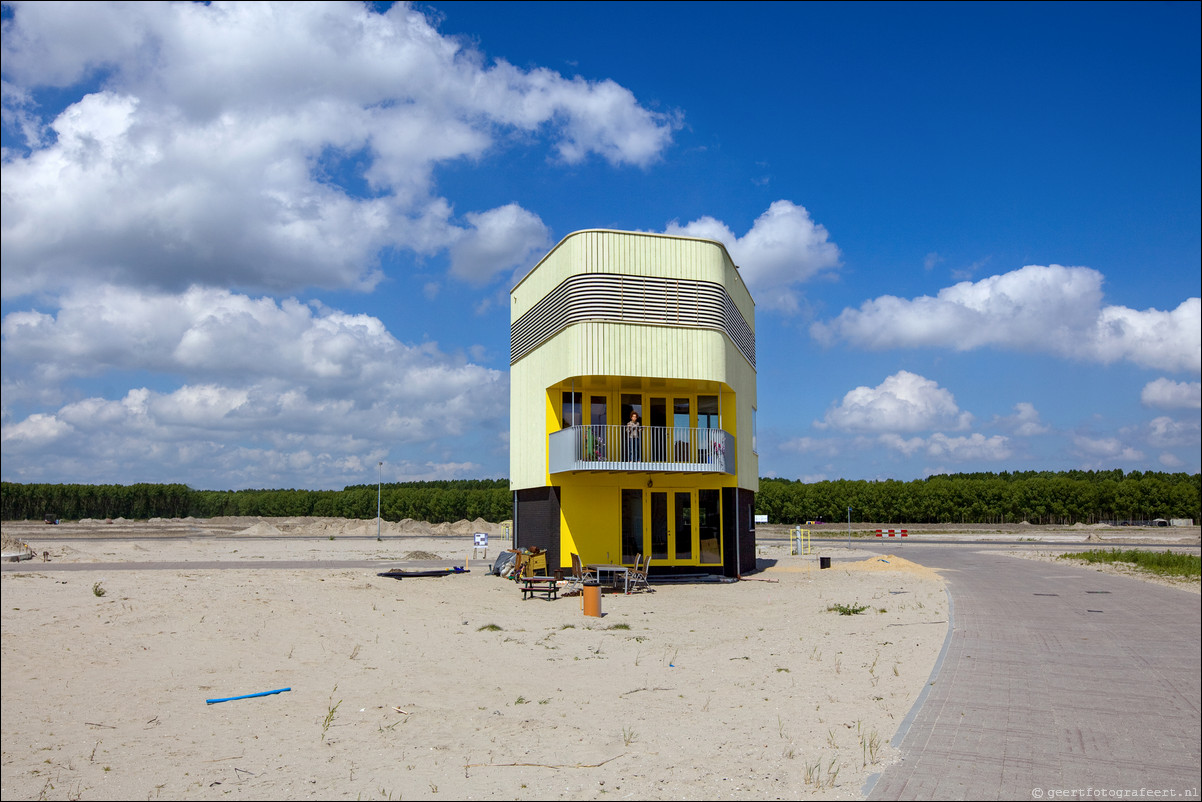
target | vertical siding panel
[{"x": 597, "y": 348}]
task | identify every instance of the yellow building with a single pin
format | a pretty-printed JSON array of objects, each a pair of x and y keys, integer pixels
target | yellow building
[{"x": 615, "y": 325}]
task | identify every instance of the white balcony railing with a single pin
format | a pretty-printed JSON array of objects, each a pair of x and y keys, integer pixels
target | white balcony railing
[{"x": 647, "y": 448}]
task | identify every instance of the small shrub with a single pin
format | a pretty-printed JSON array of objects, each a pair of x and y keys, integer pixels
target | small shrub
[
  {"x": 847, "y": 609},
  {"x": 98, "y": 589}
]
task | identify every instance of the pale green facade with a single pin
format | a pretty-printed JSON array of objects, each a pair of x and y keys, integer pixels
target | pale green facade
[{"x": 610, "y": 323}]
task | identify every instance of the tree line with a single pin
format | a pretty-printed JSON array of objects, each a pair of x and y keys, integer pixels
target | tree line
[
  {"x": 435, "y": 501},
  {"x": 1038, "y": 497}
]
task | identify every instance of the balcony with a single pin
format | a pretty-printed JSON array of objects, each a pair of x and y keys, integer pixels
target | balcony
[{"x": 671, "y": 449}]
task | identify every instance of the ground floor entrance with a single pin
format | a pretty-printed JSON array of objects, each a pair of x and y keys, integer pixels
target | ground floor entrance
[
  {"x": 672, "y": 526},
  {"x": 684, "y": 529}
]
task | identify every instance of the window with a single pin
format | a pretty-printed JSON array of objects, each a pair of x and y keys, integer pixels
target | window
[
  {"x": 596, "y": 435},
  {"x": 570, "y": 411},
  {"x": 755, "y": 448},
  {"x": 631, "y": 402},
  {"x": 707, "y": 412},
  {"x": 682, "y": 434},
  {"x": 596, "y": 409}
]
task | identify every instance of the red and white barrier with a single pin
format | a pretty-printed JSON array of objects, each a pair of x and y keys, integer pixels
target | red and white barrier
[{"x": 891, "y": 532}]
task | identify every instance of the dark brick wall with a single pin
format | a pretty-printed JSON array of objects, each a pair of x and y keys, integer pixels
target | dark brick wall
[
  {"x": 536, "y": 521},
  {"x": 738, "y": 531}
]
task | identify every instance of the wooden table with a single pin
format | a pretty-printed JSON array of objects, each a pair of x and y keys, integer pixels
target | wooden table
[
  {"x": 613, "y": 571},
  {"x": 548, "y": 586}
]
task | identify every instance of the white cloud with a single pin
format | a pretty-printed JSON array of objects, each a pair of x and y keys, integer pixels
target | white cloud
[
  {"x": 828, "y": 447},
  {"x": 201, "y": 332},
  {"x": 1165, "y": 432},
  {"x": 1025, "y": 421},
  {"x": 784, "y": 247},
  {"x": 37, "y": 429},
  {"x": 1170, "y": 460},
  {"x": 907, "y": 446},
  {"x": 903, "y": 402},
  {"x": 499, "y": 240},
  {"x": 230, "y": 144},
  {"x": 972, "y": 447},
  {"x": 967, "y": 448},
  {"x": 430, "y": 470},
  {"x": 1130, "y": 445},
  {"x": 602, "y": 118},
  {"x": 1106, "y": 450},
  {"x": 1168, "y": 394},
  {"x": 1051, "y": 309},
  {"x": 269, "y": 384}
]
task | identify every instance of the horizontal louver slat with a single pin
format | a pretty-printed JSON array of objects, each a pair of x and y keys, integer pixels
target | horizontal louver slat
[{"x": 631, "y": 299}]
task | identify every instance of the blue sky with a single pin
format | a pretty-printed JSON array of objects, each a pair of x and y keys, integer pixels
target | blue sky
[{"x": 271, "y": 245}]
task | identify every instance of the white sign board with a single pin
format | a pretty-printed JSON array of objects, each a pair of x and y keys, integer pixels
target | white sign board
[
  {"x": 761, "y": 519},
  {"x": 482, "y": 539}
]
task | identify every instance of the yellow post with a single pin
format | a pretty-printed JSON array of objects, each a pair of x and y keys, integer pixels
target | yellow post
[{"x": 799, "y": 541}]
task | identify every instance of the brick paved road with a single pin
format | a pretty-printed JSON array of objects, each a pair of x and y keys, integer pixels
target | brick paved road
[{"x": 1054, "y": 678}]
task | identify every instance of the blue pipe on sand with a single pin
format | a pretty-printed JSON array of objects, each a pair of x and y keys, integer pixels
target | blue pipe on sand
[{"x": 245, "y": 696}]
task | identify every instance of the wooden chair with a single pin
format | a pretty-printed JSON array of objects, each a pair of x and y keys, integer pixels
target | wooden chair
[
  {"x": 638, "y": 576},
  {"x": 573, "y": 583},
  {"x": 580, "y": 576},
  {"x": 580, "y": 573}
]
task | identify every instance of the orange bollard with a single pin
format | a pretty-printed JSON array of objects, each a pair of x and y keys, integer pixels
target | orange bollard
[{"x": 592, "y": 600}]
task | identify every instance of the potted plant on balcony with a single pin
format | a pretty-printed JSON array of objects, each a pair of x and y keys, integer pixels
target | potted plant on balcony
[{"x": 594, "y": 446}]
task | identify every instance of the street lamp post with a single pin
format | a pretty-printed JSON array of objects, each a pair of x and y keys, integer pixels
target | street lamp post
[{"x": 379, "y": 484}]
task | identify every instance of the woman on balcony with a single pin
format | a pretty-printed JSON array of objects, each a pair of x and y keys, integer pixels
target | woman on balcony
[{"x": 633, "y": 431}]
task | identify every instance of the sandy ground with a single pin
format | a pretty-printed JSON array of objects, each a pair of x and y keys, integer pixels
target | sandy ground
[{"x": 449, "y": 687}]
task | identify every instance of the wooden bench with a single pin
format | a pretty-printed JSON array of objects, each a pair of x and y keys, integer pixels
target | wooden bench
[{"x": 548, "y": 586}]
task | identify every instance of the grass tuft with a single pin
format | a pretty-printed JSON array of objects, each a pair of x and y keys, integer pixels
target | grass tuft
[
  {"x": 847, "y": 609},
  {"x": 1163, "y": 563}
]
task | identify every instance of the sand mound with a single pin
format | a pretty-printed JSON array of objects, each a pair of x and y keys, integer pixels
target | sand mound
[
  {"x": 11, "y": 544},
  {"x": 421, "y": 555},
  {"x": 261, "y": 529},
  {"x": 881, "y": 564},
  {"x": 408, "y": 526}
]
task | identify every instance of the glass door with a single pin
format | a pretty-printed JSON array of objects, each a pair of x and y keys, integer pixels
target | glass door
[
  {"x": 658, "y": 421},
  {"x": 709, "y": 525},
  {"x": 708, "y": 426},
  {"x": 682, "y": 432},
  {"x": 665, "y": 529},
  {"x": 683, "y": 502},
  {"x": 632, "y": 427},
  {"x": 595, "y": 438},
  {"x": 632, "y": 525},
  {"x": 659, "y": 525}
]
